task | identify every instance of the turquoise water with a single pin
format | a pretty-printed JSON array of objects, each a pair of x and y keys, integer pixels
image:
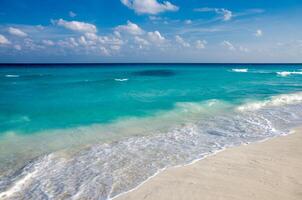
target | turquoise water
[
  {"x": 126, "y": 122},
  {"x": 52, "y": 97}
]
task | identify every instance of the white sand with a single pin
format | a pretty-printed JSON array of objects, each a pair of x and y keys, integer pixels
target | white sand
[{"x": 271, "y": 170}]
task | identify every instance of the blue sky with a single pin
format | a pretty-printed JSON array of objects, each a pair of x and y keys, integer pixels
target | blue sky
[{"x": 150, "y": 31}]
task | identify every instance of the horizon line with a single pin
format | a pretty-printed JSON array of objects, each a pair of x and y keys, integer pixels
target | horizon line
[{"x": 153, "y": 63}]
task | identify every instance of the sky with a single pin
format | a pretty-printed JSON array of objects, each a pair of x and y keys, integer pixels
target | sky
[{"x": 58, "y": 31}]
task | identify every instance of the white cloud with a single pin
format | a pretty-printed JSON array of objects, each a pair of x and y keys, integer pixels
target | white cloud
[
  {"x": 225, "y": 13},
  {"x": 228, "y": 45},
  {"x": 243, "y": 49},
  {"x": 141, "y": 41},
  {"x": 72, "y": 14},
  {"x": 130, "y": 28},
  {"x": 82, "y": 40},
  {"x": 156, "y": 37},
  {"x": 68, "y": 43},
  {"x": 104, "y": 51},
  {"x": 200, "y": 44},
  {"x": 48, "y": 42},
  {"x": 181, "y": 41},
  {"x": 110, "y": 40},
  {"x": 31, "y": 44},
  {"x": 91, "y": 36},
  {"x": 149, "y": 6},
  {"x": 115, "y": 47},
  {"x": 17, "y": 47},
  {"x": 117, "y": 34},
  {"x": 4, "y": 40},
  {"x": 258, "y": 33},
  {"x": 93, "y": 43},
  {"x": 16, "y": 32},
  {"x": 73, "y": 42},
  {"x": 77, "y": 26}
]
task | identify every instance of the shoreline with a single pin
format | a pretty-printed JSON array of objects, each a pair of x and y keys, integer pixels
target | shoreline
[{"x": 158, "y": 181}]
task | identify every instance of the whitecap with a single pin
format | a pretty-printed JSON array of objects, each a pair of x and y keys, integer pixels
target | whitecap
[
  {"x": 287, "y": 73},
  {"x": 240, "y": 70},
  {"x": 12, "y": 75},
  {"x": 121, "y": 79},
  {"x": 278, "y": 100},
  {"x": 106, "y": 170}
]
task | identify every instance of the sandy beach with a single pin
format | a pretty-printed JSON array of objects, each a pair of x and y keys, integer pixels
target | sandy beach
[{"x": 269, "y": 170}]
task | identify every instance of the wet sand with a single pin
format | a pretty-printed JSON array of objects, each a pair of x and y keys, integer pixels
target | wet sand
[{"x": 270, "y": 170}]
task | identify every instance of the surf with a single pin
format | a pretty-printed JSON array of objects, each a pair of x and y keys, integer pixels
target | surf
[{"x": 120, "y": 165}]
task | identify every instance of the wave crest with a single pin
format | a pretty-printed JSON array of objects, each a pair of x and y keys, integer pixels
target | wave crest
[
  {"x": 279, "y": 100},
  {"x": 106, "y": 169},
  {"x": 287, "y": 73}
]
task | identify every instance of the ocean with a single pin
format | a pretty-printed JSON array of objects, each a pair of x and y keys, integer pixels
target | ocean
[{"x": 95, "y": 131}]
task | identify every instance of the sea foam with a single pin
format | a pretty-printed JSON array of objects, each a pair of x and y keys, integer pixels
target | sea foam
[
  {"x": 240, "y": 70},
  {"x": 278, "y": 100},
  {"x": 121, "y": 79},
  {"x": 105, "y": 170},
  {"x": 287, "y": 73}
]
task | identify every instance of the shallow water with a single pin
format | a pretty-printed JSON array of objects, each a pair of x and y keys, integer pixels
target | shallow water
[{"x": 97, "y": 131}]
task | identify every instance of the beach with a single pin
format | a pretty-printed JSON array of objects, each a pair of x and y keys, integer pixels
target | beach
[
  {"x": 269, "y": 170},
  {"x": 99, "y": 131},
  {"x": 151, "y": 99}
]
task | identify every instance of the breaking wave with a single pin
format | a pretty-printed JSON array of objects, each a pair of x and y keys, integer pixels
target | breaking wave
[
  {"x": 105, "y": 170},
  {"x": 287, "y": 73},
  {"x": 279, "y": 100}
]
